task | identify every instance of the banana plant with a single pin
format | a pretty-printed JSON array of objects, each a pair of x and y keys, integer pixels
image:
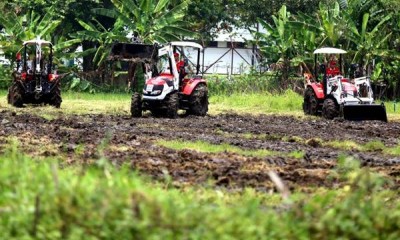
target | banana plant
[
  {"x": 279, "y": 39},
  {"x": 18, "y": 29},
  {"x": 368, "y": 43},
  {"x": 102, "y": 37},
  {"x": 331, "y": 24},
  {"x": 149, "y": 20}
]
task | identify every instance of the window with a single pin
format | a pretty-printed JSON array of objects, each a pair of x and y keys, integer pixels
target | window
[{"x": 236, "y": 45}]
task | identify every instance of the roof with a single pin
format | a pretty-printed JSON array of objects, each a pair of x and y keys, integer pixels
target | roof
[
  {"x": 37, "y": 41},
  {"x": 329, "y": 50},
  {"x": 187, "y": 44},
  {"x": 238, "y": 34}
]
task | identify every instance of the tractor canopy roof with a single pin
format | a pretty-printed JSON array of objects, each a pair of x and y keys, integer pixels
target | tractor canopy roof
[
  {"x": 187, "y": 44},
  {"x": 329, "y": 50},
  {"x": 38, "y": 42}
]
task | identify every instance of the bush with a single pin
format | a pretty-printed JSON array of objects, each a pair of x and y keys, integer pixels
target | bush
[
  {"x": 5, "y": 77},
  {"x": 253, "y": 82}
]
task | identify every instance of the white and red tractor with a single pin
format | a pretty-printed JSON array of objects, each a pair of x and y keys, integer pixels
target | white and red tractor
[
  {"x": 337, "y": 95},
  {"x": 166, "y": 88}
]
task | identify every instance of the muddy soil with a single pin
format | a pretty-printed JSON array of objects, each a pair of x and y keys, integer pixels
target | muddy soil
[{"x": 83, "y": 139}]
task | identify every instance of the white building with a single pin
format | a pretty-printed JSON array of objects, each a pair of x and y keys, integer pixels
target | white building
[{"x": 229, "y": 53}]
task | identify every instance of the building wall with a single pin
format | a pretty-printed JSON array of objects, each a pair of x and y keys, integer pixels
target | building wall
[{"x": 224, "y": 60}]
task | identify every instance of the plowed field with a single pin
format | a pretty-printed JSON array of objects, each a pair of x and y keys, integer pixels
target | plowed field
[{"x": 83, "y": 139}]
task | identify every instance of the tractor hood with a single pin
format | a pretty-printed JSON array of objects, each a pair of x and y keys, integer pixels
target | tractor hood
[
  {"x": 158, "y": 86},
  {"x": 160, "y": 80}
]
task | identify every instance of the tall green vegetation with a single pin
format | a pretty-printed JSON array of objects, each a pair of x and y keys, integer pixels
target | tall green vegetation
[
  {"x": 18, "y": 29},
  {"x": 368, "y": 30}
]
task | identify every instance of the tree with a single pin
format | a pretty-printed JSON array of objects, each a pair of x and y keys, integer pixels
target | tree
[
  {"x": 279, "y": 38},
  {"x": 368, "y": 43},
  {"x": 18, "y": 29},
  {"x": 149, "y": 20},
  {"x": 101, "y": 37}
]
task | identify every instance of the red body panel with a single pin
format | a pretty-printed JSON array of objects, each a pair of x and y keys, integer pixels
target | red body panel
[
  {"x": 318, "y": 90},
  {"x": 190, "y": 84}
]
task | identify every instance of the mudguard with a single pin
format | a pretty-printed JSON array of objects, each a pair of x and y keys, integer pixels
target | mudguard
[
  {"x": 191, "y": 85},
  {"x": 318, "y": 90}
]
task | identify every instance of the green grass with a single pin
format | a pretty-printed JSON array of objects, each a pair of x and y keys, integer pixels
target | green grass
[
  {"x": 287, "y": 103},
  {"x": 206, "y": 147},
  {"x": 370, "y": 146},
  {"x": 258, "y": 103},
  {"x": 40, "y": 200},
  {"x": 80, "y": 103}
]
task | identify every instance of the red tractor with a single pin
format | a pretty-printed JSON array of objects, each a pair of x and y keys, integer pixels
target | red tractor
[
  {"x": 338, "y": 96},
  {"x": 170, "y": 83},
  {"x": 34, "y": 81}
]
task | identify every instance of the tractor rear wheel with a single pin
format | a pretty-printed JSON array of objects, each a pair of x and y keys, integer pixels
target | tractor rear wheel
[
  {"x": 55, "y": 99},
  {"x": 15, "y": 95},
  {"x": 171, "y": 104},
  {"x": 199, "y": 101},
  {"x": 310, "y": 104},
  {"x": 330, "y": 109},
  {"x": 136, "y": 105}
]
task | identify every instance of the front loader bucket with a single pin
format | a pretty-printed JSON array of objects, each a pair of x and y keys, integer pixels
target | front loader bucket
[
  {"x": 362, "y": 112},
  {"x": 134, "y": 51}
]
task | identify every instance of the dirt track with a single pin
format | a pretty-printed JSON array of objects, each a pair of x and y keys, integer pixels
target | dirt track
[{"x": 78, "y": 139}]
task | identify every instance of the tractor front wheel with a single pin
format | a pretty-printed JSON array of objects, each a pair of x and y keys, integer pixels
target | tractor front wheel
[
  {"x": 310, "y": 104},
  {"x": 330, "y": 109},
  {"x": 199, "y": 101},
  {"x": 15, "y": 95},
  {"x": 55, "y": 99},
  {"x": 136, "y": 105},
  {"x": 171, "y": 104}
]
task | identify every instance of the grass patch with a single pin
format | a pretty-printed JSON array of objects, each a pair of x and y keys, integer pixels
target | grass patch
[
  {"x": 370, "y": 146},
  {"x": 287, "y": 103},
  {"x": 206, "y": 147},
  {"x": 258, "y": 103},
  {"x": 345, "y": 145},
  {"x": 297, "y": 154}
]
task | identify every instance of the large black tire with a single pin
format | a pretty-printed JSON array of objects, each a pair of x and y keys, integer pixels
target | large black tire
[
  {"x": 310, "y": 104},
  {"x": 330, "y": 109},
  {"x": 171, "y": 105},
  {"x": 55, "y": 98},
  {"x": 136, "y": 105},
  {"x": 199, "y": 101},
  {"x": 15, "y": 95}
]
